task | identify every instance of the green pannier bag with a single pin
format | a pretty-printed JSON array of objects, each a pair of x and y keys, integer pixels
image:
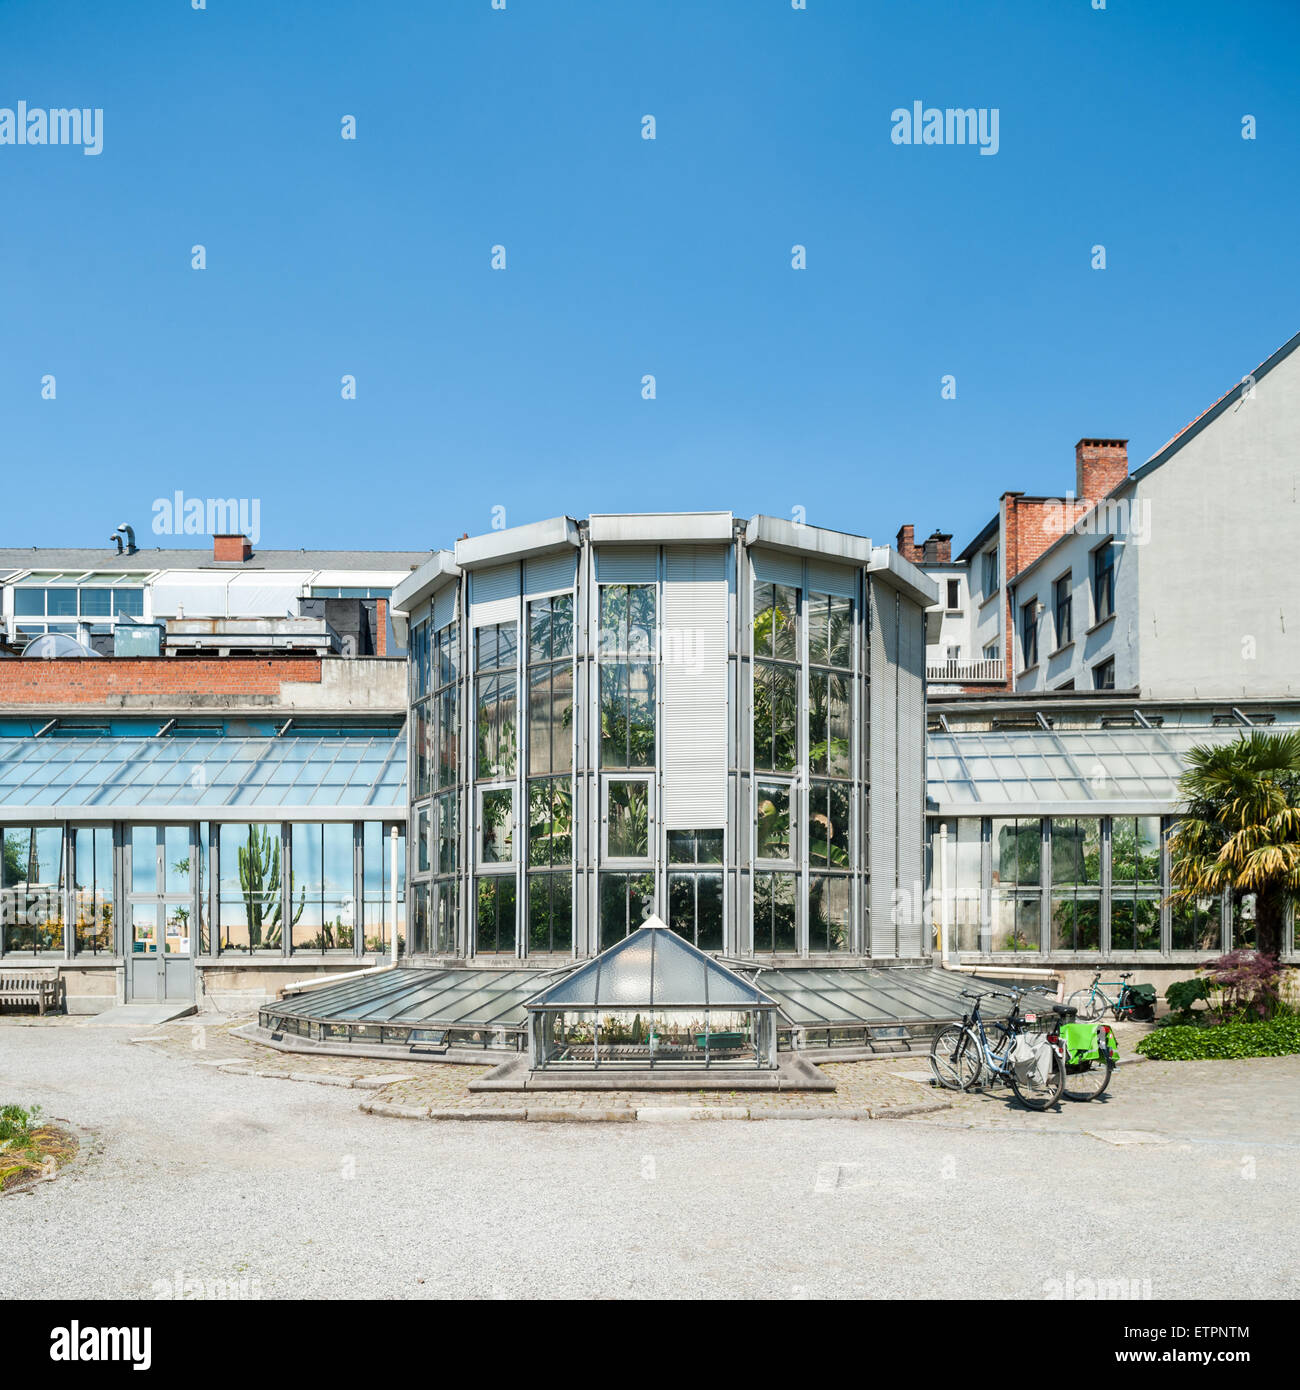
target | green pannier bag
[
  {"x": 1142, "y": 996},
  {"x": 1082, "y": 1042}
]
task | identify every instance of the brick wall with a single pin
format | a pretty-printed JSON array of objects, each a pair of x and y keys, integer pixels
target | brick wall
[{"x": 90, "y": 681}]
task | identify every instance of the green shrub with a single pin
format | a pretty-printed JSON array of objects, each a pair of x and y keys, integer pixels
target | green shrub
[
  {"x": 1279, "y": 1037},
  {"x": 1182, "y": 994}
]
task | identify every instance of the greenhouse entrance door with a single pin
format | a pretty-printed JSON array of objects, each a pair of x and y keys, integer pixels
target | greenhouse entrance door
[{"x": 160, "y": 914}]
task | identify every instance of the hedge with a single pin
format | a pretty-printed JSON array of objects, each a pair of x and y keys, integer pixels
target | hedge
[{"x": 1277, "y": 1038}]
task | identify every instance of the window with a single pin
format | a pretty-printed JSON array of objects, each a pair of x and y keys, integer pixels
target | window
[
  {"x": 774, "y": 913},
  {"x": 550, "y": 685},
  {"x": 1103, "y": 582},
  {"x": 694, "y": 890},
  {"x": 961, "y": 879},
  {"x": 990, "y": 571},
  {"x": 991, "y": 652},
  {"x": 1063, "y": 607},
  {"x": 248, "y": 889},
  {"x": 444, "y": 723},
  {"x": 93, "y": 905},
  {"x": 550, "y": 913},
  {"x": 627, "y": 818},
  {"x": 829, "y": 912},
  {"x": 626, "y": 900},
  {"x": 496, "y": 825},
  {"x": 1135, "y": 879},
  {"x": 377, "y": 885},
  {"x": 1103, "y": 675},
  {"x": 495, "y": 675},
  {"x": 1017, "y": 879},
  {"x": 774, "y": 840},
  {"x": 627, "y": 675},
  {"x": 31, "y": 913},
  {"x": 954, "y": 593},
  {"x": 321, "y": 888},
  {"x": 496, "y": 915},
  {"x": 1076, "y": 884},
  {"x": 1029, "y": 634},
  {"x": 776, "y": 676}
]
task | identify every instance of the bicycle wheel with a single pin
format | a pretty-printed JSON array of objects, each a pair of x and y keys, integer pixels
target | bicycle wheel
[
  {"x": 1088, "y": 1004},
  {"x": 1087, "y": 1080},
  {"x": 1040, "y": 1096},
  {"x": 955, "y": 1058}
]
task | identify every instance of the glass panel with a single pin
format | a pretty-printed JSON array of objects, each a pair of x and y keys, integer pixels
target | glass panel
[
  {"x": 176, "y": 858},
  {"x": 776, "y": 629},
  {"x": 627, "y": 716},
  {"x": 629, "y": 820},
  {"x": 1197, "y": 925},
  {"x": 829, "y": 912},
  {"x": 176, "y": 934},
  {"x": 29, "y": 602},
  {"x": 776, "y": 717},
  {"x": 550, "y": 718},
  {"x": 550, "y": 913},
  {"x": 497, "y": 735},
  {"x": 1076, "y": 923},
  {"x": 1135, "y": 850},
  {"x": 626, "y": 900},
  {"x": 61, "y": 603},
  {"x": 829, "y": 724},
  {"x": 830, "y": 630},
  {"x": 1076, "y": 851},
  {"x": 144, "y": 859},
  {"x": 420, "y": 919},
  {"x": 249, "y": 887},
  {"x": 496, "y": 915},
  {"x": 498, "y": 819},
  {"x": 695, "y": 846},
  {"x": 93, "y": 911},
  {"x": 1017, "y": 852},
  {"x": 128, "y": 603},
  {"x": 828, "y": 827},
  {"x": 1017, "y": 923},
  {"x": 772, "y": 813},
  {"x": 445, "y": 860},
  {"x": 420, "y": 744},
  {"x": 96, "y": 603},
  {"x": 144, "y": 929},
  {"x": 774, "y": 913},
  {"x": 550, "y": 628},
  {"x": 550, "y": 821},
  {"x": 32, "y": 910}
]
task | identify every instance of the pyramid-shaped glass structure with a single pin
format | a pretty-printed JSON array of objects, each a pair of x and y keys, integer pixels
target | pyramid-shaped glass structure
[{"x": 652, "y": 999}]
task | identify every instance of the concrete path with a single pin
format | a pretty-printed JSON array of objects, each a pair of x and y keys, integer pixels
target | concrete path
[{"x": 244, "y": 1185}]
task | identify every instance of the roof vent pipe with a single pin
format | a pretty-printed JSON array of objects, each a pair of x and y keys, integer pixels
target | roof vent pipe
[{"x": 129, "y": 533}]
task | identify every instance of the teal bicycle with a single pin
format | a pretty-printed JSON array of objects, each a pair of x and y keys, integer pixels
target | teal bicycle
[{"x": 1133, "y": 1001}]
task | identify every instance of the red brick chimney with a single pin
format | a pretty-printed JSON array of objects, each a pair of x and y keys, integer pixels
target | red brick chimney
[
  {"x": 937, "y": 549},
  {"x": 232, "y": 548},
  {"x": 906, "y": 545},
  {"x": 1100, "y": 466}
]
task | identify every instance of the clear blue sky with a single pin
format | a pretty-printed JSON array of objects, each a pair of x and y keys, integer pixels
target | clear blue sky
[{"x": 522, "y": 388}]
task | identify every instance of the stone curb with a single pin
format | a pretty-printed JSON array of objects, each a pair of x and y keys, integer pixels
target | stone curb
[
  {"x": 653, "y": 1114},
  {"x": 901, "y": 1112}
]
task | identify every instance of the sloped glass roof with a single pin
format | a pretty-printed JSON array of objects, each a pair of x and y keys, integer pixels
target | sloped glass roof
[
  {"x": 1061, "y": 771},
  {"x": 212, "y": 778},
  {"x": 653, "y": 968}
]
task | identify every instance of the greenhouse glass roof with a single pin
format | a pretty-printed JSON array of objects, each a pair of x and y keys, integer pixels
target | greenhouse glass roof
[
  {"x": 1045, "y": 772},
  {"x": 212, "y": 778},
  {"x": 653, "y": 968}
]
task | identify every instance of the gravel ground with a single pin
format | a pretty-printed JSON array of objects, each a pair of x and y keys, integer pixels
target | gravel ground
[{"x": 279, "y": 1189}]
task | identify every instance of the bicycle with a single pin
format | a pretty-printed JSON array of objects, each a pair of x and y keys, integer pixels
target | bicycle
[
  {"x": 1092, "y": 1003},
  {"x": 962, "y": 1055}
]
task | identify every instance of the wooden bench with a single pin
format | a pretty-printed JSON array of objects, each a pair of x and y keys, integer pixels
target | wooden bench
[{"x": 44, "y": 991}]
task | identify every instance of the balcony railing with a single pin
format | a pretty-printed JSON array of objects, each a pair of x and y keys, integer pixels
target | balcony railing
[{"x": 985, "y": 671}]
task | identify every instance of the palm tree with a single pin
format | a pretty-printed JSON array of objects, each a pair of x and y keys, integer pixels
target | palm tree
[{"x": 1241, "y": 827}]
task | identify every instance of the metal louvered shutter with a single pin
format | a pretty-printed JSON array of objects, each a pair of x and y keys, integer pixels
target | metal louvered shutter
[
  {"x": 494, "y": 595},
  {"x": 549, "y": 574},
  {"x": 827, "y": 578},
  {"x": 627, "y": 564},
  {"x": 776, "y": 567},
  {"x": 693, "y": 639},
  {"x": 444, "y": 607}
]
